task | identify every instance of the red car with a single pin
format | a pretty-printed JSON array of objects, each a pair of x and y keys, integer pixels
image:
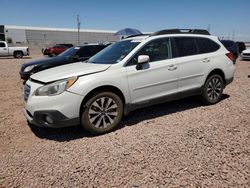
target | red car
[{"x": 56, "y": 50}]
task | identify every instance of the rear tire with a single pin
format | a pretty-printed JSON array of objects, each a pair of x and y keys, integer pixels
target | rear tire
[
  {"x": 102, "y": 113},
  {"x": 18, "y": 55},
  {"x": 212, "y": 90}
]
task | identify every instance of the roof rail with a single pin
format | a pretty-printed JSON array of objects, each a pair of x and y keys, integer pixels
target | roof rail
[
  {"x": 182, "y": 31},
  {"x": 136, "y": 35}
]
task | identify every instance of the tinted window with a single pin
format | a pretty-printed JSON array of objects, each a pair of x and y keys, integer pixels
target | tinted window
[
  {"x": 69, "y": 52},
  {"x": 2, "y": 37},
  {"x": 2, "y": 44},
  {"x": 157, "y": 50},
  {"x": 186, "y": 46},
  {"x": 59, "y": 46},
  {"x": 1, "y": 29},
  {"x": 84, "y": 51},
  {"x": 96, "y": 49},
  {"x": 206, "y": 45}
]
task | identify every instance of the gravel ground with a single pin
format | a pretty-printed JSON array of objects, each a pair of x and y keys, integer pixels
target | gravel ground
[{"x": 176, "y": 144}]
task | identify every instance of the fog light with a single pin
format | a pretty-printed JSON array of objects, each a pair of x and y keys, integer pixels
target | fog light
[{"x": 49, "y": 120}]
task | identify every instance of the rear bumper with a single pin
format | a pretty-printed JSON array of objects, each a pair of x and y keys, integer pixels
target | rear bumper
[
  {"x": 50, "y": 118},
  {"x": 230, "y": 80}
]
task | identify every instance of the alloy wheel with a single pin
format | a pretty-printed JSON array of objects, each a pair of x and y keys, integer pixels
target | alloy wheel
[
  {"x": 214, "y": 89},
  {"x": 103, "y": 112}
]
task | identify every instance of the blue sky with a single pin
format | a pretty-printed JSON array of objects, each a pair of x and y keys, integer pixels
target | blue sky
[{"x": 224, "y": 16}]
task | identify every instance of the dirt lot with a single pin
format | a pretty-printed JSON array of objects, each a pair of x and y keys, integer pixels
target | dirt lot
[{"x": 176, "y": 144}]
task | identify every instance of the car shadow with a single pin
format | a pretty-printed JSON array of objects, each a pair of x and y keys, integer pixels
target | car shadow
[{"x": 148, "y": 113}]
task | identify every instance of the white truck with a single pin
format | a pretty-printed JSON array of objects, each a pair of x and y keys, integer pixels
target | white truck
[{"x": 17, "y": 52}]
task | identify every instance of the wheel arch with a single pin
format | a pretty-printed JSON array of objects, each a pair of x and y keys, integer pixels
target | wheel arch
[
  {"x": 103, "y": 88},
  {"x": 18, "y": 51},
  {"x": 219, "y": 72}
]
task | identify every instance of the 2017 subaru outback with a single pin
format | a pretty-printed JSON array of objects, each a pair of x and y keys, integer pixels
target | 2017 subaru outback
[{"x": 129, "y": 74}]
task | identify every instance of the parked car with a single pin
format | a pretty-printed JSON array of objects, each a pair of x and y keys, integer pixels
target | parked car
[
  {"x": 73, "y": 54},
  {"x": 232, "y": 47},
  {"x": 68, "y": 45},
  {"x": 245, "y": 55},
  {"x": 56, "y": 50},
  {"x": 127, "y": 75},
  {"x": 241, "y": 46},
  {"x": 17, "y": 52}
]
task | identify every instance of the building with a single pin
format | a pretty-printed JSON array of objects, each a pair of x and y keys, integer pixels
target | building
[{"x": 43, "y": 36}]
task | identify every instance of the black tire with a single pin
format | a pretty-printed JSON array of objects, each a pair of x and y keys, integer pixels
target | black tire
[
  {"x": 98, "y": 116},
  {"x": 212, "y": 90},
  {"x": 18, "y": 55}
]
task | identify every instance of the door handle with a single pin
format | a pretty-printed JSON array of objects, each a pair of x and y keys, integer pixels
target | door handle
[
  {"x": 4, "y": 48},
  {"x": 172, "y": 67},
  {"x": 206, "y": 60}
]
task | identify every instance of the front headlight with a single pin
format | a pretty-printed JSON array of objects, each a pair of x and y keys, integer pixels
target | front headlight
[
  {"x": 29, "y": 68},
  {"x": 55, "y": 88}
]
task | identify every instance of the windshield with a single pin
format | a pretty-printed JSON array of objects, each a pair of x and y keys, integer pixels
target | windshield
[
  {"x": 114, "y": 53},
  {"x": 69, "y": 52}
]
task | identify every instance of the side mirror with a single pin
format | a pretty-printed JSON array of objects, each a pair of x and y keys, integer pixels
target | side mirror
[{"x": 143, "y": 59}]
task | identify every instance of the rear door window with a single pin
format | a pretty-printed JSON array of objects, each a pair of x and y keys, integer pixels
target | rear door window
[
  {"x": 206, "y": 45},
  {"x": 185, "y": 46}
]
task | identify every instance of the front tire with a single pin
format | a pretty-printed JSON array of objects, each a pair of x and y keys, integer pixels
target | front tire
[
  {"x": 212, "y": 90},
  {"x": 102, "y": 113}
]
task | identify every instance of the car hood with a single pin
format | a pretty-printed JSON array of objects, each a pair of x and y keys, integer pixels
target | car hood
[
  {"x": 45, "y": 61},
  {"x": 246, "y": 51},
  {"x": 67, "y": 71}
]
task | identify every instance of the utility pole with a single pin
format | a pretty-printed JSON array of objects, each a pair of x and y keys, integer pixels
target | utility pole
[
  {"x": 45, "y": 42},
  {"x": 233, "y": 35},
  {"x": 208, "y": 28},
  {"x": 78, "y": 29}
]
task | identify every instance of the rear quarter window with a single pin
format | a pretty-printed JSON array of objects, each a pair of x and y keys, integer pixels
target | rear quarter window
[{"x": 207, "y": 45}]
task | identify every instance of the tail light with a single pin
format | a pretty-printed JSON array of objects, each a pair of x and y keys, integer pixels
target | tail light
[{"x": 230, "y": 56}]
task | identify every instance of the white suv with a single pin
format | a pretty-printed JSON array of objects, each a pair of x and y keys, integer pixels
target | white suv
[{"x": 132, "y": 73}]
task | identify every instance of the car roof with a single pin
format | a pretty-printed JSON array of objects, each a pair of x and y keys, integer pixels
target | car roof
[
  {"x": 144, "y": 37},
  {"x": 84, "y": 45},
  {"x": 173, "y": 32}
]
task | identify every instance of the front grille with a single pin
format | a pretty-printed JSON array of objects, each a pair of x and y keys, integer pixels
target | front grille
[
  {"x": 247, "y": 54},
  {"x": 26, "y": 92}
]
